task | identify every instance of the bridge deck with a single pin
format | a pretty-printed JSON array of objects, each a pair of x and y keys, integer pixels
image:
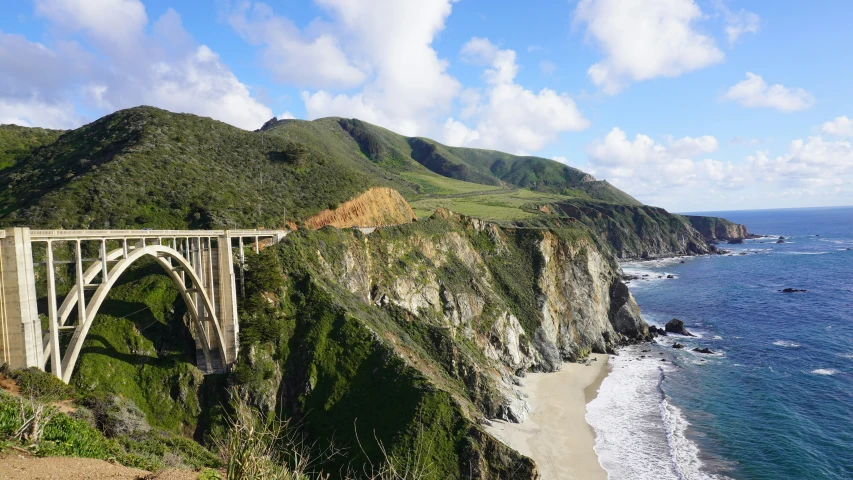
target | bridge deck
[{"x": 42, "y": 235}]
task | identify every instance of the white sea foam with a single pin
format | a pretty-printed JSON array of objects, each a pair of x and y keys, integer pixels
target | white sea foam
[
  {"x": 846, "y": 355},
  {"x": 639, "y": 434},
  {"x": 786, "y": 343},
  {"x": 825, "y": 371}
]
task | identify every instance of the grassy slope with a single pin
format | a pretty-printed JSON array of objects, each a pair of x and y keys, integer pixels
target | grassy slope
[{"x": 146, "y": 167}]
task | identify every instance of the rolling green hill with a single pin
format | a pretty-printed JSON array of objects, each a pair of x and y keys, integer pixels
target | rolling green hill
[{"x": 145, "y": 167}]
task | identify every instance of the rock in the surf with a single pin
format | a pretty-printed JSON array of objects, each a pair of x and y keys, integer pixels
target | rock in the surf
[{"x": 677, "y": 326}]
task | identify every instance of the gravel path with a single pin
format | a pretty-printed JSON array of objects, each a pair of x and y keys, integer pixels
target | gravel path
[{"x": 14, "y": 466}]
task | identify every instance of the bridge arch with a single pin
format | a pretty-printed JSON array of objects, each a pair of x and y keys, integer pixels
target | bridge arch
[
  {"x": 164, "y": 256},
  {"x": 199, "y": 262}
]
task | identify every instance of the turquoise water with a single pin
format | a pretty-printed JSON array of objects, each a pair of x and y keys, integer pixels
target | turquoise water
[{"x": 776, "y": 399}]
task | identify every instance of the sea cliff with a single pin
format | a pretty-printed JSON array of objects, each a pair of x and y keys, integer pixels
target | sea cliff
[{"x": 447, "y": 313}]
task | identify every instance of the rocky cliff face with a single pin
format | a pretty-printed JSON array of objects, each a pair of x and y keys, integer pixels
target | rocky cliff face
[
  {"x": 638, "y": 232},
  {"x": 455, "y": 303},
  {"x": 461, "y": 278},
  {"x": 715, "y": 229},
  {"x": 375, "y": 207}
]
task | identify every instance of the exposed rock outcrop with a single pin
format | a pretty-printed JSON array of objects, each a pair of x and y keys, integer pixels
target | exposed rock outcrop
[{"x": 373, "y": 208}]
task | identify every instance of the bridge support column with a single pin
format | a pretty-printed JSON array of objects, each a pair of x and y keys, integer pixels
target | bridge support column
[
  {"x": 21, "y": 345},
  {"x": 227, "y": 300}
]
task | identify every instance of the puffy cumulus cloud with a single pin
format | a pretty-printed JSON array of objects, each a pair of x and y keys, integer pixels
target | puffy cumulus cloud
[
  {"x": 754, "y": 92},
  {"x": 313, "y": 58},
  {"x": 115, "y": 25},
  {"x": 811, "y": 163},
  {"x": 839, "y": 126},
  {"x": 201, "y": 84},
  {"x": 37, "y": 113},
  {"x": 644, "y": 39},
  {"x": 383, "y": 47},
  {"x": 507, "y": 116},
  {"x": 123, "y": 66},
  {"x": 692, "y": 146},
  {"x": 646, "y": 168},
  {"x": 679, "y": 175},
  {"x": 31, "y": 70}
]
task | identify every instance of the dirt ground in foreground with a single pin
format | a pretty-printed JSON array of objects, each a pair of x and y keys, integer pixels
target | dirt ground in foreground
[{"x": 15, "y": 466}]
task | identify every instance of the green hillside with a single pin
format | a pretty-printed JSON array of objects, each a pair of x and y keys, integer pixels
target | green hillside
[
  {"x": 146, "y": 167},
  {"x": 19, "y": 142}
]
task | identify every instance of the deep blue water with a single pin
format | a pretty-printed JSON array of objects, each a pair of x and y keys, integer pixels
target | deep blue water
[{"x": 776, "y": 401}]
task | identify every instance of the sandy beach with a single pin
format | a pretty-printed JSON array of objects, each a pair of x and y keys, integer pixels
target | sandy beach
[{"x": 556, "y": 434}]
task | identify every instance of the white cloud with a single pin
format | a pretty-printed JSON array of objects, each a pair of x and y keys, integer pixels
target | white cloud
[
  {"x": 286, "y": 116},
  {"x": 125, "y": 65},
  {"x": 561, "y": 159},
  {"x": 116, "y": 25},
  {"x": 754, "y": 92},
  {"x": 647, "y": 168},
  {"x": 738, "y": 23},
  {"x": 36, "y": 113},
  {"x": 840, "y": 127},
  {"x": 409, "y": 88},
  {"x": 508, "y": 116},
  {"x": 679, "y": 175},
  {"x": 406, "y": 86},
  {"x": 808, "y": 164},
  {"x": 692, "y": 146},
  {"x": 201, "y": 84},
  {"x": 313, "y": 58},
  {"x": 547, "y": 66},
  {"x": 644, "y": 39}
]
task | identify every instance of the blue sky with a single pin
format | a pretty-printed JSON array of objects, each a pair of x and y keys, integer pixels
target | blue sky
[{"x": 687, "y": 104}]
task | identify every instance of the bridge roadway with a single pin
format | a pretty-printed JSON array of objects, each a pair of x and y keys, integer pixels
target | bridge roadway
[{"x": 199, "y": 262}]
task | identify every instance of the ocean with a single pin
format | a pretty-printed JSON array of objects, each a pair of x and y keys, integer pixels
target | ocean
[{"x": 775, "y": 399}]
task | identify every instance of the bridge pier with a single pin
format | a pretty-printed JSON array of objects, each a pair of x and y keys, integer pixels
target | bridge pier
[{"x": 21, "y": 327}]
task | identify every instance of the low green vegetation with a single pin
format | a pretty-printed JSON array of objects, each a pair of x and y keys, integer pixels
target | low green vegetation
[
  {"x": 17, "y": 142},
  {"x": 145, "y": 167},
  {"x": 32, "y": 420}
]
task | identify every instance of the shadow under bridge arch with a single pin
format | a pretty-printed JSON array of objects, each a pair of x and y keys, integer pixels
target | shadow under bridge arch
[{"x": 204, "y": 320}]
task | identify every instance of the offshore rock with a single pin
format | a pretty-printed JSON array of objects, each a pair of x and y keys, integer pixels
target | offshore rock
[{"x": 677, "y": 326}]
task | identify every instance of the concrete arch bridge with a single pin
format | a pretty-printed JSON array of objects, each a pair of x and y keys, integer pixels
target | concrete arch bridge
[{"x": 199, "y": 262}]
